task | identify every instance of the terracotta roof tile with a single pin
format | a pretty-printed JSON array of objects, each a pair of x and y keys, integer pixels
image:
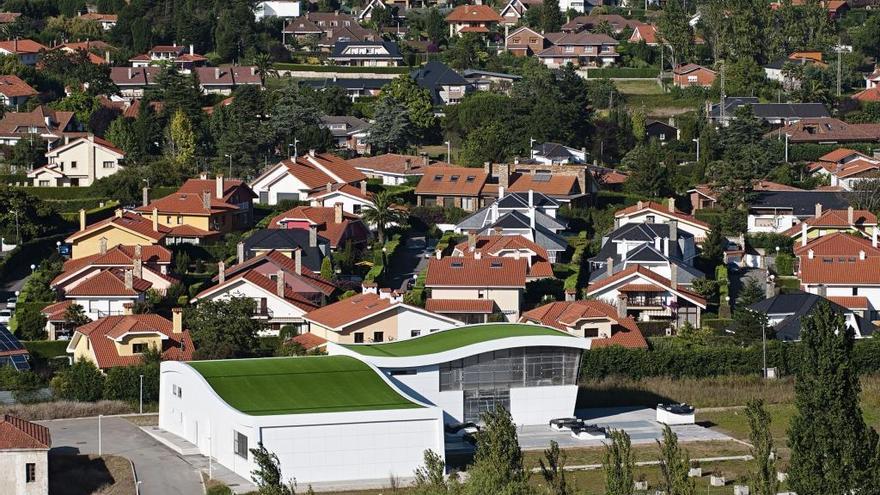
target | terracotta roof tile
[
  {"x": 452, "y": 181},
  {"x": 556, "y": 185},
  {"x": 838, "y": 155},
  {"x": 268, "y": 285},
  {"x": 177, "y": 347},
  {"x": 314, "y": 171},
  {"x": 288, "y": 264},
  {"x": 840, "y": 270},
  {"x": 324, "y": 218},
  {"x": 394, "y": 163},
  {"x": 480, "y": 306},
  {"x": 22, "y": 46},
  {"x": 473, "y": 13},
  {"x": 836, "y": 218},
  {"x": 16, "y": 433},
  {"x": 455, "y": 271},
  {"x": 342, "y": 313},
  {"x": 129, "y": 221},
  {"x": 660, "y": 209},
  {"x": 851, "y": 302},
  {"x": 562, "y": 314},
  {"x": 837, "y": 244},
  {"x": 110, "y": 282},
  {"x": 12, "y": 86},
  {"x": 309, "y": 341},
  {"x": 649, "y": 277},
  {"x": 55, "y": 312}
]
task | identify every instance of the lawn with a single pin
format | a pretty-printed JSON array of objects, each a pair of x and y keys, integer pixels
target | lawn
[
  {"x": 90, "y": 475},
  {"x": 300, "y": 385},
  {"x": 452, "y": 339},
  {"x": 652, "y": 97}
]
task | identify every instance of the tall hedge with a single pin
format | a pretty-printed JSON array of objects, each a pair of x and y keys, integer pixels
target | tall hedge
[{"x": 697, "y": 362}]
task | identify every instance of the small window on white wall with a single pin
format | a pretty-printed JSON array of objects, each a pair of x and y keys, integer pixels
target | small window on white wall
[{"x": 240, "y": 444}]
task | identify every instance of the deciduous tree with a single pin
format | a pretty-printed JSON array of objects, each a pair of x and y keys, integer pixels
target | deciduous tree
[
  {"x": 618, "y": 464},
  {"x": 223, "y": 329}
]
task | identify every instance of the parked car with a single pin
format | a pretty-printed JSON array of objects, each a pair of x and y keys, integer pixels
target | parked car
[
  {"x": 10, "y": 303},
  {"x": 5, "y": 314}
]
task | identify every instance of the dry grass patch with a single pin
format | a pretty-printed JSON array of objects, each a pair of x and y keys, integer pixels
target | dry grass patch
[
  {"x": 66, "y": 409},
  {"x": 644, "y": 452},
  {"x": 143, "y": 419},
  {"x": 90, "y": 475}
]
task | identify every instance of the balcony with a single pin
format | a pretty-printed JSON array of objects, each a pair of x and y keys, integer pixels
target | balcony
[
  {"x": 644, "y": 302},
  {"x": 103, "y": 314},
  {"x": 263, "y": 313}
]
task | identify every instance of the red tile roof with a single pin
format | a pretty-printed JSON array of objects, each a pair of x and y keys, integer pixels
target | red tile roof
[
  {"x": 55, "y": 312},
  {"x": 177, "y": 347},
  {"x": 454, "y": 271},
  {"x": 452, "y": 181},
  {"x": 858, "y": 166},
  {"x": 343, "y": 189},
  {"x": 851, "y": 302},
  {"x": 324, "y": 218},
  {"x": 11, "y": 86},
  {"x": 110, "y": 282},
  {"x": 267, "y": 285},
  {"x": 562, "y": 314},
  {"x": 22, "y": 123},
  {"x": 838, "y": 155},
  {"x": 826, "y": 129},
  {"x": 314, "y": 171},
  {"x": 836, "y": 218},
  {"x": 868, "y": 95},
  {"x": 347, "y": 311},
  {"x": 16, "y": 433},
  {"x": 479, "y": 306},
  {"x": 645, "y": 32},
  {"x": 556, "y": 185},
  {"x": 288, "y": 264},
  {"x": 9, "y": 17},
  {"x": 127, "y": 221},
  {"x": 660, "y": 209},
  {"x": 495, "y": 245},
  {"x": 473, "y": 13},
  {"x": 840, "y": 270},
  {"x": 650, "y": 277},
  {"x": 22, "y": 46},
  {"x": 394, "y": 163},
  {"x": 837, "y": 244},
  {"x": 309, "y": 341},
  {"x": 189, "y": 198},
  {"x": 688, "y": 68},
  {"x": 94, "y": 16}
]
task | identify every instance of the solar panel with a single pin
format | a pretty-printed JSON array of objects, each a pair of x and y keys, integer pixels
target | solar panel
[
  {"x": 8, "y": 342},
  {"x": 20, "y": 362},
  {"x": 541, "y": 178}
]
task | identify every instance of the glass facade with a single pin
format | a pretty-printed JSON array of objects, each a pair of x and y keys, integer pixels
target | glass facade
[{"x": 512, "y": 368}]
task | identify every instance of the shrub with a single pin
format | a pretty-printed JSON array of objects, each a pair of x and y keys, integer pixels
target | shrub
[
  {"x": 770, "y": 241},
  {"x": 83, "y": 382},
  {"x": 123, "y": 383},
  {"x": 784, "y": 264}
]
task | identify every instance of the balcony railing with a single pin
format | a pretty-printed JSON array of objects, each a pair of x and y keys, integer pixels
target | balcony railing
[
  {"x": 263, "y": 313},
  {"x": 642, "y": 301}
]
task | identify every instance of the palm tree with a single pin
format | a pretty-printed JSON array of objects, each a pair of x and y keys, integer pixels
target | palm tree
[
  {"x": 381, "y": 213},
  {"x": 263, "y": 65}
]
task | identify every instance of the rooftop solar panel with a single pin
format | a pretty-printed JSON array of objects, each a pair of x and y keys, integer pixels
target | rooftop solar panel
[{"x": 8, "y": 342}]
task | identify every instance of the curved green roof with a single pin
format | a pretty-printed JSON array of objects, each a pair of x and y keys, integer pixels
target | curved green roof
[
  {"x": 299, "y": 385},
  {"x": 453, "y": 339}
]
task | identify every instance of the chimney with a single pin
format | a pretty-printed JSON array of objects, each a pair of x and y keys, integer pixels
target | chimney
[
  {"x": 818, "y": 210},
  {"x": 369, "y": 288},
  {"x": 640, "y": 205},
  {"x": 313, "y": 236},
  {"x": 438, "y": 254},
  {"x": 472, "y": 241},
  {"x": 219, "y": 186},
  {"x": 239, "y": 252},
  {"x": 312, "y": 153},
  {"x": 532, "y": 217},
  {"x": 407, "y": 166},
  {"x": 500, "y": 192},
  {"x": 671, "y": 205},
  {"x": 203, "y": 176},
  {"x": 770, "y": 289},
  {"x": 102, "y": 245},
  {"x": 609, "y": 266},
  {"x": 329, "y": 187},
  {"x": 821, "y": 290},
  {"x": 425, "y": 160},
  {"x": 298, "y": 261},
  {"x": 487, "y": 167},
  {"x": 851, "y": 216},
  {"x": 191, "y": 50},
  {"x": 129, "y": 280},
  {"x": 803, "y": 234},
  {"x": 478, "y": 255},
  {"x": 874, "y": 234},
  {"x": 337, "y": 213},
  {"x": 146, "y": 196},
  {"x": 137, "y": 266},
  {"x": 673, "y": 231},
  {"x": 673, "y": 275},
  {"x": 138, "y": 251},
  {"x": 279, "y": 283},
  {"x": 177, "y": 320},
  {"x": 621, "y": 305},
  {"x": 531, "y": 199},
  {"x": 156, "y": 219},
  {"x": 810, "y": 254},
  {"x": 118, "y": 212},
  {"x": 221, "y": 271},
  {"x": 217, "y": 73},
  {"x": 364, "y": 187},
  {"x": 503, "y": 175},
  {"x": 128, "y": 309},
  {"x": 570, "y": 294},
  {"x": 206, "y": 199},
  {"x": 862, "y": 254},
  {"x": 82, "y": 219}
]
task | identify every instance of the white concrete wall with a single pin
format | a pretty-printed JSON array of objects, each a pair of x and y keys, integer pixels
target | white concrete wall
[
  {"x": 872, "y": 293},
  {"x": 348, "y": 203},
  {"x": 698, "y": 232},
  {"x": 279, "y": 307},
  {"x": 273, "y": 185},
  {"x": 780, "y": 223},
  {"x": 538, "y": 405},
  {"x": 425, "y": 385},
  {"x": 507, "y": 300},
  {"x": 409, "y": 320},
  {"x": 107, "y": 305},
  {"x": 12, "y": 472}
]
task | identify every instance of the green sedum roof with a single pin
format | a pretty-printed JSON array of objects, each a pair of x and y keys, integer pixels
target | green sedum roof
[
  {"x": 453, "y": 339},
  {"x": 299, "y": 385}
]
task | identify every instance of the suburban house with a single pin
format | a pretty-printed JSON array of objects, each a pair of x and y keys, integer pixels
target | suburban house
[
  {"x": 581, "y": 49},
  {"x": 395, "y": 169},
  {"x": 14, "y": 91},
  {"x": 661, "y": 131},
  {"x": 27, "y": 51},
  {"x": 42, "y": 122},
  {"x": 652, "y": 212},
  {"x": 281, "y": 298},
  {"x": 617, "y": 23},
  {"x": 777, "y": 70},
  {"x": 297, "y": 268},
  {"x": 687, "y": 75},
  {"x": 374, "y": 316},
  {"x": 644, "y": 33},
  {"x": 184, "y": 59},
  {"x": 779, "y": 211},
  {"x": 508, "y": 246},
  {"x": 151, "y": 263},
  {"x": 515, "y": 9},
  {"x": 109, "y": 292},
  {"x": 530, "y": 215},
  {"x": 786, "y": 311},
  {"x": 354, "y": 87},
  {"x": 555, "y": 153},
  {"x": 80, "y": 162},
  {"x": 484, "y": 80},
  {"x": 125, "y": 228},
  {"x": 829, "y": 222},
  {"x": 299, "y": 176},
  {"x": 841, "y": 265},
  {"x": 472, "y": 19},
  {"x": 97, "y": 51},
  {"x": 57, "y": 327},
  {"x": 525, "y": 42},
  {"x": 703, "y": 196},
  {"x": 107, "y": 21},
  {"x": 869, "y": 95},
  {"x": 354, "y": 200},
  {"x": 827, "y": 131},
  {"x": 121, "y": 340},
  {"x": 460, "y": 187},
  {"x": 203, "y": 209},
  {"x": 597, "y": 321},
  {"x": 562, "y": 182},
  {"x": 324, "y": 29},
  {"x": 500, "y": 280},
  {"x": 446, "y": 86},
  {"x": 349, "y": 133},
  {"x": 366, "y": 54},
  {"x": 646, "y": 295},
  {"x": 775, "y": 114},
  {"x": 24, "y": 455},
  {"x": 329, "y": 223},
  {"x": 134, "y": 81},
  {"x": 285, "y": 9},
  {"x": 845, "y": 167},
  {"x": 312, "y": 248}
]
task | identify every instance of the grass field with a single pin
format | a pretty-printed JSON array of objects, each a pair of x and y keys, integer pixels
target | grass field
[
  {"x": 451, "y": 339},
  {"x": 652, "y": 97},
  {"x": 300, "y": 385}
]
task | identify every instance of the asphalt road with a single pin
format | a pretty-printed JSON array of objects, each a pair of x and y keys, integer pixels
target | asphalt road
[
  {"x": 160, "y": 470},
  {"x": 409, "y": 261}
]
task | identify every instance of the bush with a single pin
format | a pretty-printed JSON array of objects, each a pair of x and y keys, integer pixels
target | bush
[
  {"x": 629, "y": 72},
  {"x": 83, "y": 382},
  {"x": 784, "y": 264},
  {"x": 123, "y": 383},
  {"x": 770, "y": 241},
  {"x": 46, "y": 349}
]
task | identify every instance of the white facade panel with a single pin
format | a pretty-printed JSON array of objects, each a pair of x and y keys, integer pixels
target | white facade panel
[{"x": 538, "y": 405}]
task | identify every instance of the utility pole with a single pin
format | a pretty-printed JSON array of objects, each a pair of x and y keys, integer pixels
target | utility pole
[
  {"x": 838, "y": 69},
  {"x": 100, "y": 450},
  {"x": 142, "y": 395}
]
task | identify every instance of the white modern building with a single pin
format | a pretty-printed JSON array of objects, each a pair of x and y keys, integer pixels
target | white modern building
[{"x": 276, "y": 8}]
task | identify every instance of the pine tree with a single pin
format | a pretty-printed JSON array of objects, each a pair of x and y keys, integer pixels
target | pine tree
[
  {"x": 829, "y": 440},
  {"x": 498, "y": 461},
  {"x": 648, "y": 175},
  {"x": 391, "y": 130},
  {"x": 762, "y": 478},
  {"x": 618, "y": 464},
  {"x": 551, "y": 16},
  {"x": 553, "y": 471}
]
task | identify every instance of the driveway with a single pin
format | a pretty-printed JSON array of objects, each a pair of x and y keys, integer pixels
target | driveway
[
  {"x": 160, "y": 470},
  {"x": 409, "y": 261}
]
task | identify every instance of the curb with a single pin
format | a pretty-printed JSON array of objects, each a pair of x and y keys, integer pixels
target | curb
[{"x": 137, "y": 484}]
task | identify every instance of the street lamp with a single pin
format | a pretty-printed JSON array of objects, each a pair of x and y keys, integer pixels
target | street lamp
[
  {"x": 100, "y": 451},
  {"x": 786, "y": 146},
  {"x": 448, "y": 151},
  {"x": 698, "y": 148},
  {"x": 230, "y": 163},
  {"x": 142, "y": 394},
  {"x": 33, "y": 268}
]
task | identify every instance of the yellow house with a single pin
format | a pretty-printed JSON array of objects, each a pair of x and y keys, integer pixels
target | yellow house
[
  {"x": 121, "y": 340},
  {"x": 827, "y": 222},
  {"x": 203, "y": 208},
  {"x": 126, "y": 229}
]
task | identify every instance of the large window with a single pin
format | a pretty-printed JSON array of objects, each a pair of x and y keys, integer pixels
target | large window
[
  {"x": 240, "y": 444},
  {"x": 512, "y": 368}
]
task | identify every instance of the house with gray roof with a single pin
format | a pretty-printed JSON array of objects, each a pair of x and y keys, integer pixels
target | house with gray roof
[
  {"x": 778, "y": 211},
  {"x": 557, "y": 153},
  {"x": 366, "y": 53},
  {"x": 786, "y": 311},
  {"x": 350, "y": 133},
  {"x": 531, "y": 215},
  {"x": 775, "y": 114},
  {"x": 446, "y": 86}
]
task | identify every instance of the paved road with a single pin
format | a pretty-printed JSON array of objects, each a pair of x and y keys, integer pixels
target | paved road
[
  {"x": 409, "y": 261},
  {"x": 161, "y": 471}
]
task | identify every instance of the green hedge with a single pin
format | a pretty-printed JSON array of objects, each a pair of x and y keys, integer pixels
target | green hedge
[
  {"x": 93, "y": 215},
  {"x": 69, "y": 193},
  {"x": 30, "y": 252},
  {"x": 680, "y": 361},
  {"x": 342, "y": 68},
  {"x": 390, "y": 250},
  {"x": 46, "y": 349},
  {"x": 627, "y": 72}
]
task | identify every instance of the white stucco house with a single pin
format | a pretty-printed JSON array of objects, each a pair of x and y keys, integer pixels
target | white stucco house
[
  {"x": 298, "y": 177},
  {"x": 24, "y": 456},
  {"x": 276, "y": 8},
  {"x": 78, "y": 163}
]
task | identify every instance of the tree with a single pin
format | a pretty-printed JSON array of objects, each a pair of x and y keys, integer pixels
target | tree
[
  {"x": 391, "y": 130},
  {"x": 750, "y": 293},
  {"x": 828, "y": 436},
  {"x": 553, "y": 471},
  {"x": 30, "y": 324},
  {"x": 28, "y": 153},
  {"x": 762, "y": 478},
  {"x": 639, "y": 123},
  {"x": 430, "y": 478},
  {"x": 75, "y": 316},
  {"x": 292, "y": 113},
  {"x": 23, "y": 216},
  {"x": 435, "y": 26},
  {"x": 674, "y": 465},
  {"x": 224, "y": 329},
  {"x": 263, "y": 64},
  {"x": 181, "y": 140},
  {"x": 382, "y": 213},
  {"x": 648, "y": 175},
  {"x": 551, "y": 17},
  {"x": 81, "y": 104},
  {"x": 498, "y": 461},
  {"x": 673, "y": 28},
  {"x": 714, "y": 246},
  {"x": 618, "y": 463},
  {"x": 404, "y": 91},
  {"x": 327, "y": 268},
  {"x": 267, "y": 475},
  {"x": 488, "y": 143},
  {"x": 83, "y": 381}
]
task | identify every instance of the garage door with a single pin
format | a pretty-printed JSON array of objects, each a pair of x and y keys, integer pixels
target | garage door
[{"x": 287, "y": 196}]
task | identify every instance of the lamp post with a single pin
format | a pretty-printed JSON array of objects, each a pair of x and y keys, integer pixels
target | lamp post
[
  {"x": 698, "y": 148},
  {"x": 764, "y": 331},
  {"x": 33, "y": 268},
  {"x": 786, "y": 146},
  {"x": 100, "y": 450},
  {"x": 227, "y": 155},
  {"x": 448, "y": 151},
  {"x": 142, "y": 395}
]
